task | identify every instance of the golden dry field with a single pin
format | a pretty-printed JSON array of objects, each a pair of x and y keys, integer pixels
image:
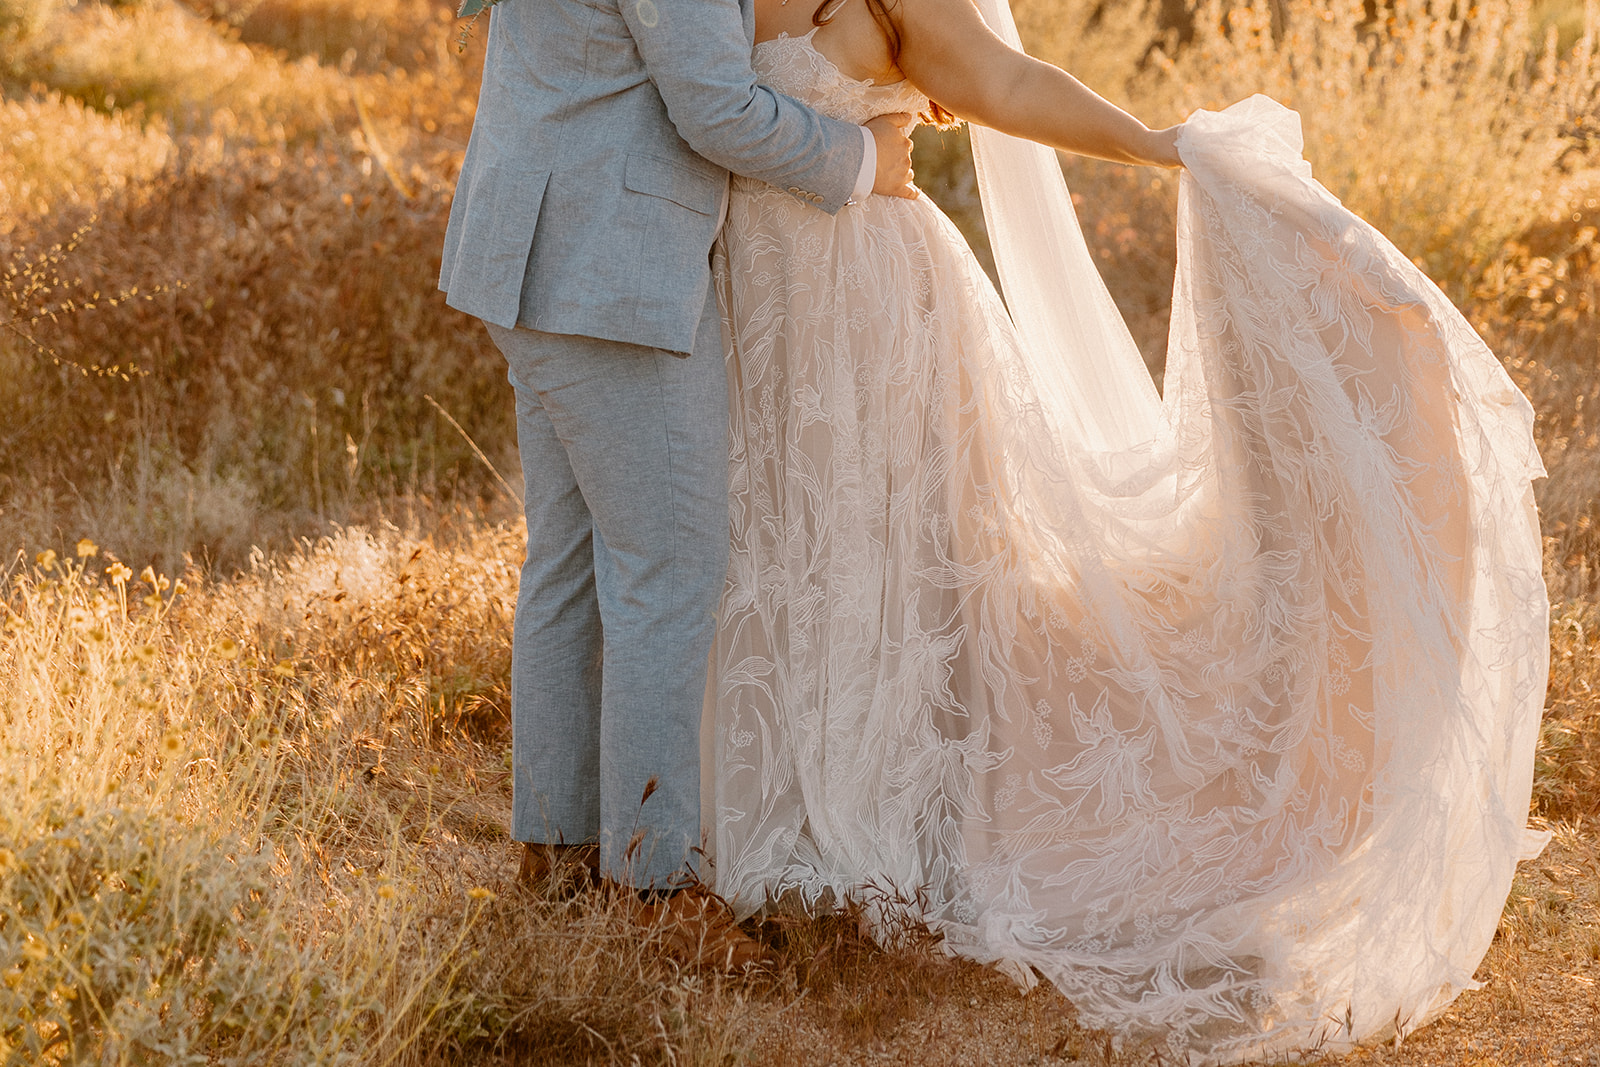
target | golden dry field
[{"x": 257, "y": 568}]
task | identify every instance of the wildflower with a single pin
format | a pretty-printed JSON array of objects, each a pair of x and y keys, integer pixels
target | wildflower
[
  {"x": 8, "y": 860},
  {"x": 153, "y": 600},
  {"x": 119, "y": 573},
  {"x": 87, "y": 548},
  {"x": 284, "y": 668},
  {"x": 77, "y": 617},
  {"x": 34, "y": 949},
  {"x": 15, "y": 623},
  {"x": 386, "y": 891},
  {"x": 227, "y": 649},
  {"x": 145, "y": 653},
  {"x": 180, "y": 588},
  {"x": 148, "y": 575},
  {"x": 98, "y": 635},
  {"x": 171, "y": 743},
  {"x": 46, "y": 559},
  {"x": 478, "y": 892}
]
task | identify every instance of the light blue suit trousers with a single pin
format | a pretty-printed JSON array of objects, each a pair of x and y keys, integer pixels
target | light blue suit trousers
[{"x": 625, "y": 468}]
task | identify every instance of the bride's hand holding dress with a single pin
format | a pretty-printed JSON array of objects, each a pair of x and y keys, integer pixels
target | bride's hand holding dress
[{"x": 1215, "y": 707}]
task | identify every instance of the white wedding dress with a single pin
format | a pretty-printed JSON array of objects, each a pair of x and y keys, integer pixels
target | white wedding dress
[{"x": 1216, "y": 709}]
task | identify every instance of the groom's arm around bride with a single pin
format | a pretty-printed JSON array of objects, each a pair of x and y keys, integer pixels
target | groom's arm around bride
[{"x": 591, "y": 192}]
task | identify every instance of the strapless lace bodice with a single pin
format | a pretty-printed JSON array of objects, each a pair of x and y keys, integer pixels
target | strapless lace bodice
[{"x": 794, "y": 67}]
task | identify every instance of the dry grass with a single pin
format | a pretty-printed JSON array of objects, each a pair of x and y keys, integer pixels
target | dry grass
[{"x": 254, "y": 811}]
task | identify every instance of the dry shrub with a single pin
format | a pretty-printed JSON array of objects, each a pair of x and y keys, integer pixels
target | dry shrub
[
  {"x": 292, "y": 365},
  {"x": 143, "y": 915},
  {"x": 428, "y": 631},
  {"x": 1567, "y": 769},
  {"x": 62, "y": 154},
  {"x": 162, "y": 59},
  {"x": 369, "y": 36},
  {"x": 238, "y": 824},
  {"x": 866, "y": 962},
  {"x": 20, "y": 23},
  {"x": 297, "y": 220},
  {"x": 574, "y": 981}
]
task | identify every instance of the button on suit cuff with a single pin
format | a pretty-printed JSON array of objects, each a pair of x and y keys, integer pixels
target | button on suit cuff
[{"x": 869, "y": 168}]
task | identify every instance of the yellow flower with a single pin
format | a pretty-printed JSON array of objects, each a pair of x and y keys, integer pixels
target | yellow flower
[
  {"x": 77, "y": 617},
  {"x": 153, "y": 600},
  {"x": 227, "y": 649},
  {"x": 148, "y": 575},
  {"x": 171, "y": 743},
  {"x": 145, "y": 653},
  {"x": 386, "y": 892},
  {"x": 284, "y": 668},
  {"x": 98, "y": 635},
  {"x": 180, "y": 588},
  {"x": 87, "y": 548},
  {"x": 46, "y": 559},
  {"x": 119, "y": 573},
  {"x": 8, "y": 860},
  {"x": 478, "y": 892}
]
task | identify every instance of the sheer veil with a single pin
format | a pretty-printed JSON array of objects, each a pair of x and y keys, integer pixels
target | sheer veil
[{"x": 1082, "y": 358}]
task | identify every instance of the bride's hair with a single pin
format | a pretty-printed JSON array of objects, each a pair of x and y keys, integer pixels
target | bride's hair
[{"x": 935, "y": 116}]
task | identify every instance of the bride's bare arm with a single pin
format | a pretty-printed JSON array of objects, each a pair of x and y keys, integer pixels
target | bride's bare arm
[{"x": 949, "y": 53}]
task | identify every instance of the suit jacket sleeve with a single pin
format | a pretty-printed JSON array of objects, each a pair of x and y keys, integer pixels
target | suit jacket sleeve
[{"x": 698, "y": 54}]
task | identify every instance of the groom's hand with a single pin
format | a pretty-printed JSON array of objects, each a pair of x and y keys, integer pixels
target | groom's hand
[{"x": 892, "y": 133}]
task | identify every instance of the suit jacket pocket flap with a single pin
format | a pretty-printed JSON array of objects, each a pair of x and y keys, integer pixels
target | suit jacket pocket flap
[{"x": 693, "y": 189}]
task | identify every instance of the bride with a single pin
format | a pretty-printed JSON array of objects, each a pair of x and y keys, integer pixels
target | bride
[{"x": 1214, "y": 708}]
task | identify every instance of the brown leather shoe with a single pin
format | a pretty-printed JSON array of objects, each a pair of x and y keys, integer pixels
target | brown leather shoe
[
  {"x": 562, "y": 869},
  {"x": 697, "y": 929}
]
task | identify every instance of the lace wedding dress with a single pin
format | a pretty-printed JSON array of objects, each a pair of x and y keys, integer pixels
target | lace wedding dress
[{"x": 1215, "y": 709}]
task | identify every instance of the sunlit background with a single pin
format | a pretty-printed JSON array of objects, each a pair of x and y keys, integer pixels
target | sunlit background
[{"x": 257, "y": 559}]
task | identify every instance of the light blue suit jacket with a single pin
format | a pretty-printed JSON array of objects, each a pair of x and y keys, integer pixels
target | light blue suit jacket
[{"x": 593, "y": 183}]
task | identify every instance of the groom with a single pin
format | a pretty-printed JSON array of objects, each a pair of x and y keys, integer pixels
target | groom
[{"x": 594, "y": 183}]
